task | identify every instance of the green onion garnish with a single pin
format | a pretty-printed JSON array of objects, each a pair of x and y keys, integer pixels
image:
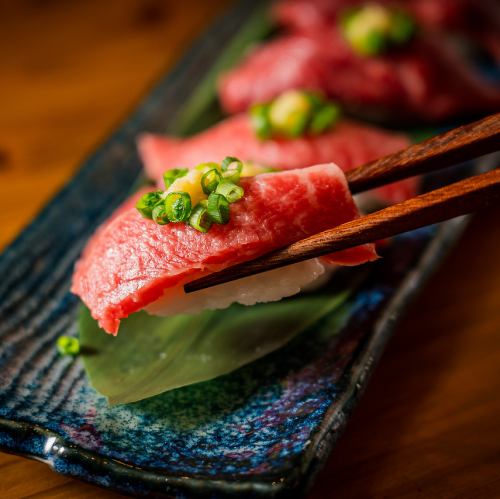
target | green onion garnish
[
  {"x": 324, "y": 118},
  {"x": 289, "y": 113},
  {"x": 160, "y": 214},
  {"x": 178, "y": 206},
  {"x": 199, "y": 218},
  {"x": 230, "y": 191},
  {"x": 231, "y": 169},
  {"x": 220, "y": 182},
  {"x": 218, "y": 208},
  {"x": 296, "y": 113},
  {"x": 231, "y": 163},
  {"x": 316, "y": 99},
  {"x": 207, "y": 166},
  {"x": 403, "y": 27},
  {"x": 147, "y": 202},
  {"x": 297, "y": 124},
  {"x": 67, "y": 345},
  {"x": 372, "y": 43},
  {"x": 210, "y": 180},
  {"x": 259, "y": 116},
  {"x": 372, "y": 29},
  {"x": 170, "y": 176}
]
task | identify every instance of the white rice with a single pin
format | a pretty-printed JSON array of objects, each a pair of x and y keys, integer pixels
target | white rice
[{"x": 268, "y": 286}]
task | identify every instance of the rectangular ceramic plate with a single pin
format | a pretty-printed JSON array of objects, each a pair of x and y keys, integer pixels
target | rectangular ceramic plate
[{"x": 262, "y": 431}]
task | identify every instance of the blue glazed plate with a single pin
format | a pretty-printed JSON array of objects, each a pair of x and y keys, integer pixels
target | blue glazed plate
[{"x": 262, "y": 431}]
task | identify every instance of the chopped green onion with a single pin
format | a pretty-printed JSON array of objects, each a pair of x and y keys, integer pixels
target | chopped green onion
[
  {"x": 210, "y": 180},
  {"x": 373, "y": 28},
  {"x": 203, "y": 167},
  {"x": 297, "y": 124},
  {"x": 67, "y": 345},
  {"x": 230, "y": 191},
  {"x": 325, "y": 117},
  {"x": 403, "y": 27},
  {"x": 219, "y": 182},
  {"x": 347, "y": 16},
  {"x": 199, "y": 218},
  {"x": 170, "y": 176},
  {"x": 229, "y": 162},
  {"x": 178, "y": 206},
  {"x": 316, "y": 99},
  {"x": 232, "y": 176},
  {"x": 231, "y": 169},
  {"x": 160, "y": 214},
  {"x": 259, "y": 116},
  {"x": 147, "y": 202},
  {"x": 290, "y": 113},
  {"x": 218, "y": 208},
  {"x": 372, "y": 43}
]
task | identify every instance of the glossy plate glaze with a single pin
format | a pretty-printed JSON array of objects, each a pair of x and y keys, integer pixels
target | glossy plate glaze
[{"x": 262, "y": 431}]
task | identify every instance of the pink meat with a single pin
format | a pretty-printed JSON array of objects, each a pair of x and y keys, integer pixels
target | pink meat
[
  {"x": 349, "y": 144},
  {"x": 477, "y": 20},
  {"x": 131, "y": 261},
  {"x": 426, "y": 79},
  {"x": 310, "y": 15}
]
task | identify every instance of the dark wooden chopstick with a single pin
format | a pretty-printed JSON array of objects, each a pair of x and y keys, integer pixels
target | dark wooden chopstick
[
  {"x": 436, "y": 206},
  {"x": 457, "y": 145},
  {"x": 444, "y": 150}
]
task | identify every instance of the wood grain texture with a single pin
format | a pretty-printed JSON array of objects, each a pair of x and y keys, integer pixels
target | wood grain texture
[
  {"x": 429, "y": 423},
  {"x": 459, "y": 198},
  {"x": 447, "y": 149}
]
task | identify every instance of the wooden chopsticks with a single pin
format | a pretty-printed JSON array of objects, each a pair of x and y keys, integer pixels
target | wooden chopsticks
[
  {"x": 443, "y": 150},
  {"x": 442, "y": 204},
  {"x": 466, "y": 196}
]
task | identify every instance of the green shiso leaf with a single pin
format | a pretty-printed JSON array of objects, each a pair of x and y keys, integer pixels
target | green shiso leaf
[{"x": 152, "y": 355}]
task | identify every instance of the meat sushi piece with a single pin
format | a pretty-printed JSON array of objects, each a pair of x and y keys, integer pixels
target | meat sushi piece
[
  {"x": 308, "y": 16},
  {"x": 425, "y": 79},
  {"x": 289, "y": 62},
  {"x": 349, "y": 144},
  {"x": 132, "y": 263},
  {"x": 476, "y": 21}
]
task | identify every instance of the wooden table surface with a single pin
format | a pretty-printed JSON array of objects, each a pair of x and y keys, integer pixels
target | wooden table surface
[{"x": 429, "y": 423}]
